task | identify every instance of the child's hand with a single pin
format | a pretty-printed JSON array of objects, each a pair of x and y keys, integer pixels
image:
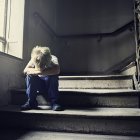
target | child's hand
[{"x": 33, "y": 72}]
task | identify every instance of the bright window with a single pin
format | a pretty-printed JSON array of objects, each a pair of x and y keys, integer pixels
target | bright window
[{"x": 11, "y": 27}]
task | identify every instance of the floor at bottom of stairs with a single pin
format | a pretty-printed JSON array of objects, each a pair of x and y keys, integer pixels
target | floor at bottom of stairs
[{"x": 8, "y": 134}]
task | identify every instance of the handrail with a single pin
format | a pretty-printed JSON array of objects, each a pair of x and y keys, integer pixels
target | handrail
[
  {"x": 45, "y": 25},
  {"x": 137, "y": 39},
  {"x": 129, "y": 25}
]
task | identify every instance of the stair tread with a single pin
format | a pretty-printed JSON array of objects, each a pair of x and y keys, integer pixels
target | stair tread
[
  {"x": 86, "y": 112},
  {"x": 45, "y": 135},
  {"x": 94, "y": 91},
  {"x": 95, "y": 77},
  {"x": 100, "y": 91}
]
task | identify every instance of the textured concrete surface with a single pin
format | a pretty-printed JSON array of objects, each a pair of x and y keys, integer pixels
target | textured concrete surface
[
  {"x": 91, "y": 84},
  {"x": 96, "y": 82},
  {"x": 129, "y": 71},
  {"x": 112, "y": 121},
  {"x": 86, "y": 97},
  {"x": 95, "y": 112},
  {"x": 44, "y": 135},
  {"x": 109, "y": 121}
]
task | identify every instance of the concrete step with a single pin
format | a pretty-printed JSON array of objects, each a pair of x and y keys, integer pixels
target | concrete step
[
  {"x": 109, "y": 121},
  {"x": 20, "y": 134},
  {"x": 96, "y": 82},
  {"x": 86, "y": 97}
]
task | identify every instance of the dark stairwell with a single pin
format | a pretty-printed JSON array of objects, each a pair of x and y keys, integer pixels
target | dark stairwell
[{"x": 96, "y": 84}]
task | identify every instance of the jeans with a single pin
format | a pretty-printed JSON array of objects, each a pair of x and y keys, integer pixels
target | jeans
[{"x": 48, "y": 85}]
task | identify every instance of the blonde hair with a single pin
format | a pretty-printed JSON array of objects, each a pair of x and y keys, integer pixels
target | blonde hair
[{"x": 41, "y": 56}]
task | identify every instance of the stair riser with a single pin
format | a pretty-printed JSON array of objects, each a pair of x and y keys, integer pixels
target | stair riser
[
  {"x": 96, "y": 84},
  {"x": 71, "y": 99},
  {"x": 69, "y": 123},
  {"x": 99, "y": 101}
]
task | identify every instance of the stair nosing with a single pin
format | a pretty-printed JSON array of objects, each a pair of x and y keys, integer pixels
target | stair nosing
[
  {"x": 103, "y": 77},
  {"x": 92, "y": 91},
  {"x": 92, "y": 112}
]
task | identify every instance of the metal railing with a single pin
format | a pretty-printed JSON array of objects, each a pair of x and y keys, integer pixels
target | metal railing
[
  {"x": 44, "y": 24},
  {"x": 137, "y": 41}
]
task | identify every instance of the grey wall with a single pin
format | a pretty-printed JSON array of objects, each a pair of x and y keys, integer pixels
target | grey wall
[
  {"x": 35, "y": 31},
  {"x": 86, "y": 55},
  {"x": 10, "y": 76},
  {"x": 92, "y": 16}
]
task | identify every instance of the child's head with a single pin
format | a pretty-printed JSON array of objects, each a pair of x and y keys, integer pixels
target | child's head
[{"x": 41, "y": 56}]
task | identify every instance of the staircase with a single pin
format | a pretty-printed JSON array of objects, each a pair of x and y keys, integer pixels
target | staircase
[{"x": 93, "y": 105}]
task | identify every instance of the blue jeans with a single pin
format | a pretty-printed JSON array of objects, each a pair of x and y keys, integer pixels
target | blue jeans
[{"x": 45, "y": 84}]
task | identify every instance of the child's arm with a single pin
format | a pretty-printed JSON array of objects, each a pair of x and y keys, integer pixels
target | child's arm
[
  {"x": 29, "y": 67},
  {"x": 53, "y": 70}
]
